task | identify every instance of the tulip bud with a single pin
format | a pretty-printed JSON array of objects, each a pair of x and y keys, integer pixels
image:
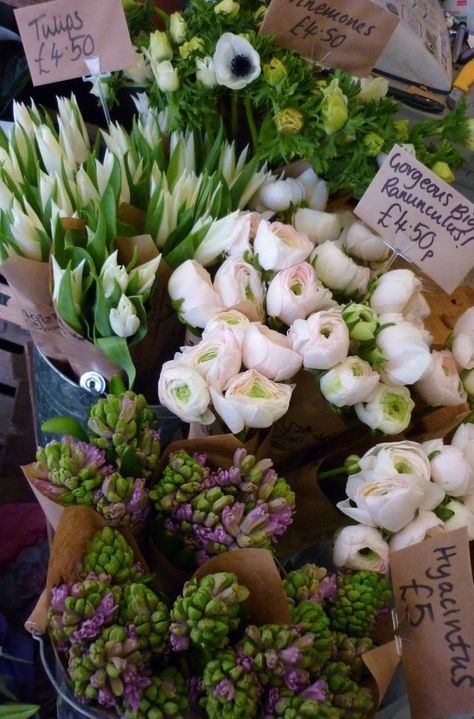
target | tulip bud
[
  {"x": 123, "y": 319},
  {"x": 159, "y": 48},
  {"x": 205, "y": 71}
]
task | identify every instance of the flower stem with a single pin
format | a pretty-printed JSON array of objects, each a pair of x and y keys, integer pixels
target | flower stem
[
  {"x": 332, "y": 472},
  {"x": 251, "y": 122},
  {"x": 234, "y": 117},
  {"x": 163, "y": 16}
]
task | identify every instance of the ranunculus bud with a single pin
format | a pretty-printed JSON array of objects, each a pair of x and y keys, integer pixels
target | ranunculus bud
[
  {"x": 348, "y": 383},
  {"x": 322, "y": 340},
  {"x": 441, "y": 385},
  {"x": 240, "y": 287},
  {"x": 270, "y": 353},
  {"x": 361, "y": 548},
  {"x": 318, "y": 226},
  {"x": 295, "y": 293},
  {"x": 191, "y": 291},
  {"x": 280, "y": 246},
  {"x": 388, "y": 409},
  {"x": 289, "y": 121},
  {"x": 185, "y": 393},
  {"x": 463, "y": 340}
]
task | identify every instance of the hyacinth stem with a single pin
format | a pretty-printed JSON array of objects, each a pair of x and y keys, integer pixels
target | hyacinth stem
[
  {"x": 234, "y": 117},
  {"x": 251, "y": 122},
  {"x": 116, "y": 385},
  {"x": 336, "y": 472}
]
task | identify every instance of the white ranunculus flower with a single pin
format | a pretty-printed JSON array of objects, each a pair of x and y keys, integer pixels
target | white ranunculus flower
[
  {"x": 221, "y": 235},
  {"x": 388, "y": 409},
  {"x": 467, "y": 379},
  {"x": 236, "y": 321},
  {"x": 279, "y": 195},
  {"x": 407, "y": 356},
  {"x": 322, "y": 339},
  {"x": 462, "y": 517},
  {"x": 217, "y": 357},
  {"x": 371, "y": 88},
  {"x": 359, "y": 282},
  {"x": 463, "y": 340},
  {"x": 315, "y": 188},
  {"x": 25, "y": 227},
  {"x": 190, "y": 288},
  {"x": 178, "y": 28},
  {"x": 425, "y": 526},
  {"x": 335, "y": 269},
  {"x": 251, "y": 400},
  {"x": 396, "y": 291},
  {"x": 236, "y": 62},
  {"x": 295, "y": 293},
  {"x": 146, "y": 274},
  {"x": 361, "y": 548},
  {"x": 270, "y": 353},
  {"x": 185, "y": 393},
  {"x": 166, "y": 76},
  {"x": 280, "y": 246},
  {"x": 112, "y": 273},
  {"x": 405, "y": 457},
  {"x": 451, "y": 471},
  {"x": 52, "y": 154},
  {"x": 464, "y": 439},
  {"x": 240, "y": 287},
  {"x": 318, "y": 226},
  {"x": 141, "y": 73},
  {"x": 123, "y": 318},
  {"x": 359, "y": 241},
  {"x": 205, "y": 71},
  {"x": 441, "y": 386},
  {"x": 349, "y": 383}
]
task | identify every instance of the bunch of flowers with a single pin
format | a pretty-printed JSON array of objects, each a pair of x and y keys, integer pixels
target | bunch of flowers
[
  {"x": 404, "y": 492},
  {"x": 211, "y": 63},
  {"x": 107, "y": 217},
  {"x": 312, "y": 295},
  {"x": 107, "y": 466},
  {"x": 212, "y": 510}
]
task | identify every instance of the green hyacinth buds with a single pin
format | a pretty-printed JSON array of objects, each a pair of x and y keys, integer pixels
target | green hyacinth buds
[
  {"x": 359, "y": 598},
  {"x": 150, "y": 616},
  {"x": 108, "y": 552},
  {"x": 231, "y": 688}
]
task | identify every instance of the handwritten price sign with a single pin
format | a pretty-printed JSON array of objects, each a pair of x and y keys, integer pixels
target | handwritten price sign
[
  {"x": 349, "y": 34},
  {"x": 422, "y": 217},
  {"x": 64, "y": 39},
  {"x": 434, "y": 598}
]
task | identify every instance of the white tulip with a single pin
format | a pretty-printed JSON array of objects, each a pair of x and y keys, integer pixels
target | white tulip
[
  {"x": 6, "y": 196},
  {"x": 295, "y": 293},
  {"x": 371, "y": 88},
  {"x": 425, "y": 526},
  {"x": 361, "y": 548},
  {"x": 53, "y": 156},
  {"x": 349, "y": 383},
  {"x": 159, "y": 47},
  {"x": 407, "y": 356},
  {"x": 236, "y": 62},
  {"x": 73, "y": 136},
  {"x": 146, "y": 274},
  {"x": 190, "y": 288},
  {"x": 123, "y": 318},
  {"x": 388, "y": 409},
  {"x": 451, "y": 471},
  {"x": 205, "y": 71},
  {"x": 9, "y": 164},
  {"x": 118, "y": 140},
  {"x": 322, "y": 340},
  {"x": 236, "y": 321},
  {"x": 216, "y": 357},
  {"x": 270, "y": 353},
  {"x": 463, "y": 340},
  {"x": 241, "y": 240},
  {"x": 318, "y": 226},
  {"x": 111, "y": 274},
  {"x": 315, "y": 188},
  {"x": 240, "y": 287},
  {"x": 279, "y": 195},
  {"x": 25, "y": 227},
  {"x": 405, "y": 457},
  {"x": 220, "y": 236},
  {"x": 27, "y": 117},
  {"x": 141, "y": 73},
  {"x": 359, "y": 241},
  {"x": 166, "y": 76},
  {"x": 441, "y": 385},
  {"x": 462, "y": 517},
  {"x": 76, "y": 283},
  {"x": 395, "y": 291},
  {"x": 251, "y": 400},
  {"x": 280, "y": 246},
  {"x": 86, "y": 190},
  {"x": 184, "y": 392},
  {"x": 335, "y": 269},
  {"x": 464, "y": 439}
]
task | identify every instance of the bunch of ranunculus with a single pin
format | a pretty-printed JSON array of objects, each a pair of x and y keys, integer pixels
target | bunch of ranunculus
[
  {"x": 269, "y": 310},
  {"x": 107, "y": 466},
  {"x": 404, "y": 492},
  {"x": 211, "y": 510}
]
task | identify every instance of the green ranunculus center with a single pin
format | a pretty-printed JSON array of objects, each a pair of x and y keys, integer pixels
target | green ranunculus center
[
  {"x": 296, "y": 288},
  {"x": 394, "y": 405},
  {"x": 258, "y": 392},
  {"x": 326, "y": 332},
  {"x": 182, "y": 393},
  {"x": 208, "y": 357}
]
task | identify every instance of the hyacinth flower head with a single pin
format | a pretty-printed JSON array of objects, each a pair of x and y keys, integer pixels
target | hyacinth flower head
[
  {"x": 77, "y": 467},
  {"x": 79, "y": 611},
  {"x": 359, "y": 598},
  {"x": 207, "y": 611},
  {"x": 310, "y": 582},
  {"x": 166, "y": 697},
  {"x": 311, "y": 703},
  {"x": 112, "y": 670},
  {"x": 181, "y": 480},
  {"x": 231, "y": 688},
  {"x": 350, "y": 650},
  {"x": 141, "y": 607},
  {"x": 109, "y": 552},
  {"x": 122, "y": 500},
  {"x": 310, "y": 617},
  {"x": 345, "y": 694}
]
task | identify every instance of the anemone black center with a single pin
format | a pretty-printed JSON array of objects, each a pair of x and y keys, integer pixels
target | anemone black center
[{"x": 240, "y": 65}]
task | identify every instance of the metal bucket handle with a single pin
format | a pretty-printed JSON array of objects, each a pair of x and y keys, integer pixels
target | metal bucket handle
[{"x": 50, "y": 674}]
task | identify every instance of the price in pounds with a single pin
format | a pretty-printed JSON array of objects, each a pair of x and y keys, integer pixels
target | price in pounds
[
  {"x": 73, "y": 49},
  {"x": 395, "y": 219},
  {"x": 306, "y": 27}
]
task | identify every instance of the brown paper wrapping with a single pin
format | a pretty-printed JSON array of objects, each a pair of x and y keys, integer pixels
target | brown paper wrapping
[
  {"x": 51, "y": 510},
  {"x": 83, "y": 356},
  {"x": 382, "y": 663}
]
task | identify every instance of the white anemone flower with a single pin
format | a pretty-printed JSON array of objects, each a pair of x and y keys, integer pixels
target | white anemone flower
[{"x": 236, "y": 62}]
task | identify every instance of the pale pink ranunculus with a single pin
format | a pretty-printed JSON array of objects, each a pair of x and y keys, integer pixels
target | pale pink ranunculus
[
  {"x": 350, "y": 382},
  {"x": 407, "y": 356},
  {"x": 441, "y": 385},
  {"x": 322, "y": 339},
  {"x": 217, "y": 357},
  {"x": 280, "y": 246},
  {"x": 425, "y": 526},
  {"x": 338, "y": 271},
  {"x": 462, "y": 517},
  {"x": 359, "y": 241},
  {"x": 318, "y": 226},
  {"x": 451, "y": 471},
  {"x": 240, "y": 287},
  {"x": 270, "y": 353},
  {"x": 295, "y": 293},
  {"x": 190, "y": 288},
  {"x": 463, "y": 340},
  {"x": 234, "y": 320},
  {"x": 184, "y": 392},
  {"x": 464, "y": 439},
  {"x": 251, "y": 400},
  {"x": 361, "y": 548},
  {"x": 396, "y": 291}
]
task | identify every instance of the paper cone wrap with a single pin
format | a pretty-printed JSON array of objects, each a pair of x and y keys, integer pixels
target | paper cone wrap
[{"x": 52, "y": 510}]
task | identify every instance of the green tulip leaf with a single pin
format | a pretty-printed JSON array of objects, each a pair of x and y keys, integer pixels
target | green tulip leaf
[
  {"x": 116, "y": 349},
  {"x": 65, "y": 425},
  {"x": 18, "y": 711}
]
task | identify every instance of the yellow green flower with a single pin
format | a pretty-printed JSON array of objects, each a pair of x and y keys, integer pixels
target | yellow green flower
[
  {"x": 274, "y": 71},
  {"x": 334, "y": 107},
  {"x": 227, "y": 7},
  {"x": 443, "y": 170},
  {"x": 196, "y": 44},
  {"x": 373, "y": 143},
  {"x": 289, "y": 121},
  {"x": 401, "y": 128}
]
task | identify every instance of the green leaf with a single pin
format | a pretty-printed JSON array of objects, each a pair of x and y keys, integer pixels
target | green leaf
[
  {"x": 117, "y": 385},
  {"x": 172, "y": 173},
  {"x": 186, "y": 249},
  {"x": 116, "y": 349},
  {"x": 101, "y": 312},
  {"x": 65, "y": 304},
  {"x": 240, "y": 184},
  {"x": 65, "y": 425},
  {"x": 214, "y": 153},
  {"x": 130, "y": 465},
  {"x": 18, "y": 711}
]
